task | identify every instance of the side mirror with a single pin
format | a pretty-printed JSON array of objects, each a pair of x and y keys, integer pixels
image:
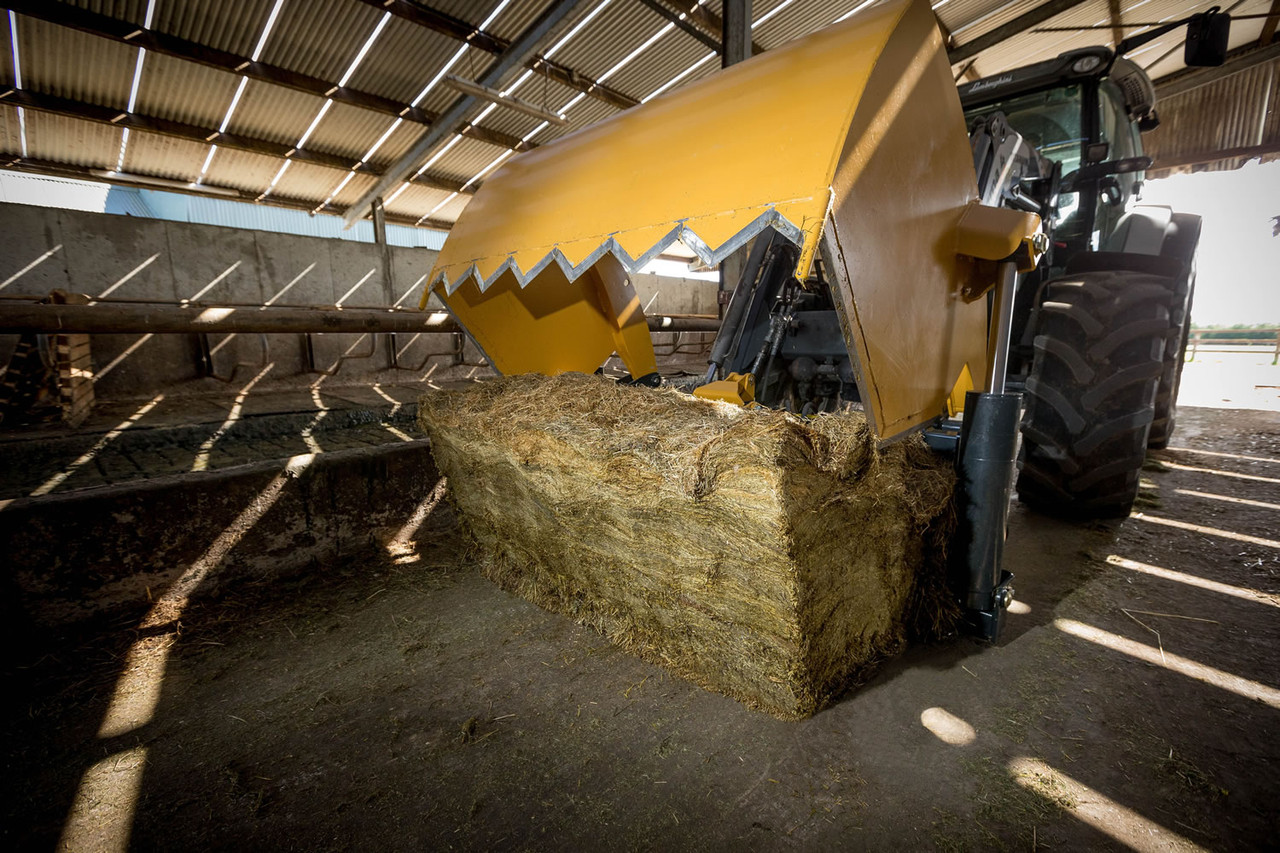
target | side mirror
[
  {"x": 1207, "y": 34},
  {"x": 1207, "y": 37}
]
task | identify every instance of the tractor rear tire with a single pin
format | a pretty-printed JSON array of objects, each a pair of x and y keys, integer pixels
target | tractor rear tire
[
  {"x": 1100, "y": 344},
  {"x": 1175, "y": 356}
]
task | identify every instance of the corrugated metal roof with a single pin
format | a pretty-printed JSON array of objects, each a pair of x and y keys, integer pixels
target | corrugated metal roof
[
  {"x": 10, "y": 137},
  {"x": 75, "y": 65},
  {"x": 451, "y": 211},
  {"x": 612, "y": 35},
  {"x": 955, "y": 14},
  {"x": 661, "y": 61},
  {"x": 127, "y": 10},
  {"x": 71, "y": 141},
  {"x": 184, "y": 91},
  {"x": 321, "y": 38},
  {"x": 800, "y": 19},
  {"x": 348, "y": 132},
  {"x": 273, "y": 113},
  {"x": 241, "y": 170},
  {"x": 416, "y": 201},
  {"x": 542, "y": 93},
  {"x": 465, "y": 159},
  {"x": 298, "y": 181},
  {"x": 6, "y": 54},
  {"x": 1239, "y": 112},
  {"x": 398, "y": 143},
  {"x": 1031, "y": 47},
  {"x": 516, "y": 18},
  {"x": 354, "y": 188},
  {"x": 164, "y": 157},
  {"x": 230, "y": 25},
  {"x": 586, "y": 112},
  {"x": 403, "y": 60}
]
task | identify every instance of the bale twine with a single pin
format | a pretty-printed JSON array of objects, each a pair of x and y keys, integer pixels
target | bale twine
[{"x": 772, "y": 558}]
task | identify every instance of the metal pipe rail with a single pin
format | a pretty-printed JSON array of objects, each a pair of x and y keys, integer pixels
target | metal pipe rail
[
  {"x": 168, "y": 318},
  {"x": 1221, "y": 340}
]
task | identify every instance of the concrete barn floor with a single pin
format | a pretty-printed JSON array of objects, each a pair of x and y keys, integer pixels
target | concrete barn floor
[{"x": 401, "y": 702}]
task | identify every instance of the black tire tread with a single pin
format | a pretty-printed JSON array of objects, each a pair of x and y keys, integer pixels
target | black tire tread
[
  {"x": 1099, "y": 355},
  {"x": 1166, "y": 408}
]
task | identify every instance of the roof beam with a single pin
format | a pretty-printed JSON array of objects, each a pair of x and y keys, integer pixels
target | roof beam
[
  {"x": 1117, "y": 22},
  {"x": 683, "y": 22},
  {"x": 736, "y": 33},
  {"x": 1238, "y": 60},
  {"x": 1246, "y": 152},
  {"x": 204, "y": 190},
  {"x": 706, "y": 20},
  {"x": 1017, "y": 26},
  {"x": 126, "y": 32},
  {"x": 443, "y": 22},
  {"x": 1269, "y": 27},
  {"x": 513, "y": 57},
  {"x": 134, "y": 121}
]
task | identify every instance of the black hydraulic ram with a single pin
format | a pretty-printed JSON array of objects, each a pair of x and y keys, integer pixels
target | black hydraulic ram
[
  {"x": 985, "y": 461},
  {"x": 759, "y": 271}
]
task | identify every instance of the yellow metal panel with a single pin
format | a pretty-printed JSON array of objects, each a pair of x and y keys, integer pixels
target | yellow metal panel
[
  {"x": 904, "y": 180},
  {"x": 725, "y": 156},
  {"x": 993, "y": 233},
  {"x": 852, "y": 139},
  {"x": 964, "y": 384},
  {"x": 737, "y": 388},
  {"x": 556, "y": 325}
]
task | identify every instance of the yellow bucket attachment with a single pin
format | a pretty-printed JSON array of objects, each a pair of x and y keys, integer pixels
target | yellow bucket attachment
[
  {"x": 736, "y": 388},
  {"x": 850, "y": 141},
  {"x": 559, "y": 324}
]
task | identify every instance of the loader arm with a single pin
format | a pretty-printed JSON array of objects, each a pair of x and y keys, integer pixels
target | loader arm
[{"x": 850, "y": 142}]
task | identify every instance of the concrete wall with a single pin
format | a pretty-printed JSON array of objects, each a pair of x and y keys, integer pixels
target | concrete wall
[
  {"x": 123, "y": 257},
  {"x": 661, "y": 294},
  {"x": 92, "y": 552},
  {"x": 129, "y": 258}
]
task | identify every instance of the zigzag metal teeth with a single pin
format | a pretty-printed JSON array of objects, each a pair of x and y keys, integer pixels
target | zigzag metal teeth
[{"x": 680, "y": 233}]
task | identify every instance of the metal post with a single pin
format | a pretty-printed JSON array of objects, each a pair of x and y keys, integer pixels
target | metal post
[
  {"x": 388, "y": 272},
  {"x": 735, "y": 37},
  {"x": 1001, "y": 323},
  {"x": 131, "y": 317}
]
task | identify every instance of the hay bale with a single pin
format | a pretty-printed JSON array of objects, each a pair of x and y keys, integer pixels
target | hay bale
[{"x": 768, "y": 557}]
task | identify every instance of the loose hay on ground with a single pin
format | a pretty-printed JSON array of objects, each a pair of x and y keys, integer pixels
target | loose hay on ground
[{"x": 769, "y": 557}]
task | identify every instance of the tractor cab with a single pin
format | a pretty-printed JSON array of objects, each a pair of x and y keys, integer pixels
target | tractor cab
[{"x": 1084, "y": 111}]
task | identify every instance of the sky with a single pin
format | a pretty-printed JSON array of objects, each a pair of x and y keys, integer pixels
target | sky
[{"x": 1238, "y": 264}]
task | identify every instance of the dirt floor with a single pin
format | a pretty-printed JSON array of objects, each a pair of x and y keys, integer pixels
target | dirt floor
[{"x": 405, "y": 703}]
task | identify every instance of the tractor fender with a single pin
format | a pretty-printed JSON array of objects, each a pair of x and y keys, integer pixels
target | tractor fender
[{"x": 1145, "y": 233}]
